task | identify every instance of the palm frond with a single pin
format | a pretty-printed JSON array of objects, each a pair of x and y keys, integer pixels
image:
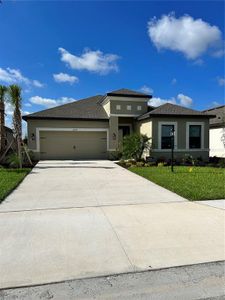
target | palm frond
[
  {"x": 3, "y": 90},
  {"x": 14, "y": 92}
]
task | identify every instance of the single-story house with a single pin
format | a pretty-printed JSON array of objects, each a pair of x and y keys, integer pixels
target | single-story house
[
  {"x": 217, "y": 131},
  {"x": 8, "y": 136},
  {"x": 93, "y": 128}
]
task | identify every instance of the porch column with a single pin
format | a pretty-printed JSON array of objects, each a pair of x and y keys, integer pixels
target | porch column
[{"x": 113, "y": 133}]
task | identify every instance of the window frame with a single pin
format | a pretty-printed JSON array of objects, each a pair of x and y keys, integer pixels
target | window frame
[
  {"x": 118, "y": 106},
  {"x": 188, "y": 124},
  {"x": 139, "y": 107},
  {"x": 129, "y": 107},
  {"x": 160, "y": 134}
]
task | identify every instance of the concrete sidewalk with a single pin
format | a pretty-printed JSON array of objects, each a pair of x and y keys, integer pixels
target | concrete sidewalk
[
  {"x": 45, "y": 246},
  {"x": 213, "y": 203}
]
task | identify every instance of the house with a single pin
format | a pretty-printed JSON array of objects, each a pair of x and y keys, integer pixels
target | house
[
  {"x": 217, "y": 131},
  {"x": 93, "y": 128},
  {"x": 8, "y": 136}
]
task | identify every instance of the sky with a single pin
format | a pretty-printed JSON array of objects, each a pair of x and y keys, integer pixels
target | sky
[{"x": 62, "y": 51}]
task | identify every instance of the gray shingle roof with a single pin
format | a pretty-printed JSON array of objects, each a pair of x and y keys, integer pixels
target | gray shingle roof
[
  {"x": 88, "y": 108},
  {"x": 219, "y": 111},
  {"x": 8, "y": 129},
  {"x": 173, "y": 110},
  {"x": 127, "y": 93}
]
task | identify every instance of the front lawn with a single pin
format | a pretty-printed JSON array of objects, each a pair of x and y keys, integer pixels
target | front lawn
[
  {"x": 9, "y": 180},
  {"x": 193, "y": 183}
]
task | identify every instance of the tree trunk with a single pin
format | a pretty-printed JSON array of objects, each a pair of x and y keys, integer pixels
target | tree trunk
[
  {"x": 19, "y": 151},
  {"x": 2, "y": 126}
]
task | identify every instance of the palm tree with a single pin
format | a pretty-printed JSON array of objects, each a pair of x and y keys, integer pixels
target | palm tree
[
  {"x": 3, "y": 90},
  {"x": 14, "y": 92}
]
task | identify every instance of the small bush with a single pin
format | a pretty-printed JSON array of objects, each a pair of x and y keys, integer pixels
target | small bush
[
  {"x": 134, "y": 146},
  {"x": 221, "y": 163},
  {"x": 161, "y": 164},
  {"x": 140, "y": 164}
]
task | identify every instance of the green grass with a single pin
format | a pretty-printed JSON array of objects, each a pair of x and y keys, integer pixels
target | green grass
[
  {"x": 195, "y": 183},
  {"x": 9, "y": 180}
]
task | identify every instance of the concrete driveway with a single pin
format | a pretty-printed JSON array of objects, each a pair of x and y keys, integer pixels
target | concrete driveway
[{"x": 71, "y": 220}]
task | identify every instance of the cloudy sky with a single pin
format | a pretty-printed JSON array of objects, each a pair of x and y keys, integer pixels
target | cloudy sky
[{"x": 61, "y": 51}]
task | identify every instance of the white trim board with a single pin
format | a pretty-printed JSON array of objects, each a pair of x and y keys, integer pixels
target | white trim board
[
  {"x": 179, "y": 150},
  {"x": 38, "y": 129},
  {"x": 124, "y": 115}
]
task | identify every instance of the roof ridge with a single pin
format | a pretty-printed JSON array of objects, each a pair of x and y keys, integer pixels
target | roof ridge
[{"x": 216, "y": 107}]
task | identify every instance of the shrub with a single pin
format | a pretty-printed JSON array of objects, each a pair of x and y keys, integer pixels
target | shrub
[
  {"x": 161, "y": 164},
  {"x": 13, "y": 160},
  {"x": 134, "y": 146},
  {"x": 140, "y": 164}
]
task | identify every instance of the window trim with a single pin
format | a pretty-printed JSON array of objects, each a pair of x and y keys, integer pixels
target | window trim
[
  {"x": 202, "y": 124},
  {"x": 160, "y": 134},
  {"x": 139, "y": 107},
  {"x": 130, "y": 107},
  {"x": 118, "y": 107}
]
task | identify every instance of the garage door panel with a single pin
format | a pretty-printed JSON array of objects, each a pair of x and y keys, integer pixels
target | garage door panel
[{"x": 73, "y": 145}]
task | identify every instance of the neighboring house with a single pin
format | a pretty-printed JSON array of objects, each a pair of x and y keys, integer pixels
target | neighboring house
[
  {"x": 93, "y": 128},
  {"x": 8, "y": 136},
  {"x": 217, "y": 131}
]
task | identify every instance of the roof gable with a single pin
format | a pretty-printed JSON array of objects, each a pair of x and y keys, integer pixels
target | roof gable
[{"x": 219, "y": 112}]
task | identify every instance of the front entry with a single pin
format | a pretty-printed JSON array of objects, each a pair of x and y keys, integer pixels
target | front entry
[{"x": 73, "y": 145}]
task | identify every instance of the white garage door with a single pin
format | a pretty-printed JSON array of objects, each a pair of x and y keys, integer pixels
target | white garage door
[{"x": 73, "y": 145}]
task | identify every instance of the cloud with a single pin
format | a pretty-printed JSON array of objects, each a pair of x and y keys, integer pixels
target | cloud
[
  {"x": 156, "y": 101},
  {"x": 10, "y": 76},
  {"x": 63, "y": 77},
  {"x": 49, "y": 102},
  {"x": 221, "y": 81},
  {"x": 37, "y": 83},
  {"x": 185, "y": 100},
  {"x": 180, "y": 99},
  {"x": 173, "y": 81},
  {"x": 214, "y": 104},
  {"x": 192, "y": 37},
  {"x": 8, "y": 109},
  {"x": 146, "y": 89},
  {"x": 93, "y": 61},
  {"x": 27, "y": 104}
]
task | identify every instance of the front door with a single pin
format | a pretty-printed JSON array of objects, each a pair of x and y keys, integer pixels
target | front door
[{"x": 123, "y": 131}]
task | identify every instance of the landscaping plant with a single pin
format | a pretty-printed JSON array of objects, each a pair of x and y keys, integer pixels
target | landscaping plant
[
  {"x": 14, "y": 92},
  {"x": 134, "y": 145}
]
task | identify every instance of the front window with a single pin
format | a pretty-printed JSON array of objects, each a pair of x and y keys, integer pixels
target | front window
[
  {"x": 195, "y": 136},
  {"x": 166, "y": 136},
  {"x": 128, "y": 107}
]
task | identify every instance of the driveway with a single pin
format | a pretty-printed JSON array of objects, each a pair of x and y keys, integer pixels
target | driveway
[
  {"x": 67, "y": 184},
  {"x": 70, "y": 220}
]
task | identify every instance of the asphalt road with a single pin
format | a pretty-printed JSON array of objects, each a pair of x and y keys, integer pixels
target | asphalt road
[{"x": 202, "y": 281}]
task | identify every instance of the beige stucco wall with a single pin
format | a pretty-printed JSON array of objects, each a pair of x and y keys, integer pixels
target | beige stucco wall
[
  {"x": 216, "y": 145},
  {"x": 145, "y": 127},
  {"x": 107, "y": 108}
]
